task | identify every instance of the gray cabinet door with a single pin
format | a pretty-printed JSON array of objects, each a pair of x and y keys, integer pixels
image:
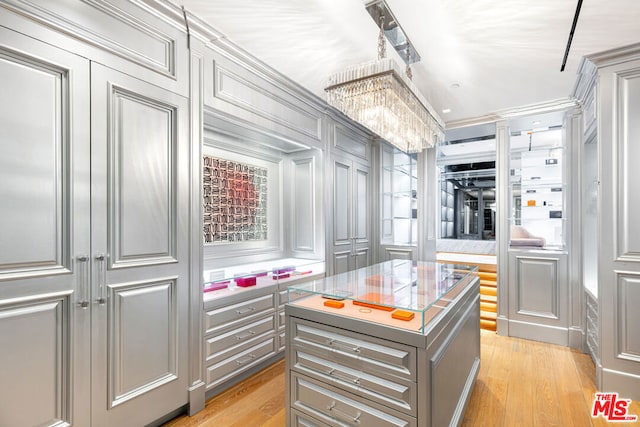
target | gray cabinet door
[
  {"x": 361, "y": 216},
  {"x": 44, "y": 233},
  {"x": 139, "y": 229},
  {"x": 342, "y": 228},
  {"x": 351, "y": 224}
]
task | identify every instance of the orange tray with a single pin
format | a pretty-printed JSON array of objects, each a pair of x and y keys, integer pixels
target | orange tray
[
  {"x": 334, "y": 304},
  {"x": 403, "y": 315},
  {"x": 375, "y": 306}
]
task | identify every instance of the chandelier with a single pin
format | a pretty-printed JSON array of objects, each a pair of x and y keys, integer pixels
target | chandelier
[{"x": 377, "y": 95}]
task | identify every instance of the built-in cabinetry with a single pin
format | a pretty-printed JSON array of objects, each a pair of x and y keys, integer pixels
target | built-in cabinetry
[
  {"x": 354, "y": 364},
  {"x": 244, "y": 317},
  {"x": 95, "y": 231},
  {"x": 540, "y": 262},
  {"x": 399, "y": 204},
  {"x": 538, "y": 190},
  {"x": 349, "y": 208},
  {"x": 609, "y": 89}
]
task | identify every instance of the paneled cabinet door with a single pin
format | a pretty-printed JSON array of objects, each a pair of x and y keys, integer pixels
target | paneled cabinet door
[
  {"x": 44, "y": 234},
  {"x": 140, "y": 206},
  {"x": 350, "y": 237}
]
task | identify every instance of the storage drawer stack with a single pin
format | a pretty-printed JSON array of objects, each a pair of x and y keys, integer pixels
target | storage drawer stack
[
  {"x": 351, "y": 378},
  {"x": 238, "y": 336}
]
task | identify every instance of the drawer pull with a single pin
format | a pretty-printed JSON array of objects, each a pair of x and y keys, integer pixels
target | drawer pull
[
  {"x": 333, "y": 373},
  {"x": 246, "y": 359},
  {"x": 332, "y": 408},
  {"x": 245, "y": 310},
  {"x": 332, "y": 342},
  {"x": 243, "y": 336}
]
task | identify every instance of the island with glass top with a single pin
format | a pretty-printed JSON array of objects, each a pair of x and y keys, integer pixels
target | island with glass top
[{"x": 393, "y": 344}]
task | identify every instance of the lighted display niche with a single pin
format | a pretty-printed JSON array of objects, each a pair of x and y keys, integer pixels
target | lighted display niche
[{"x": 235, "y": 201}]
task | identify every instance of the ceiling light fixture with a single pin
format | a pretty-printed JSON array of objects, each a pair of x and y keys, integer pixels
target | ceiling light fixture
[{"x": 378, "y": 96}]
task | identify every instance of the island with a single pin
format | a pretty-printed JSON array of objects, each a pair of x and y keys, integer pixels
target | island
[{"x": 393, "y": 344}]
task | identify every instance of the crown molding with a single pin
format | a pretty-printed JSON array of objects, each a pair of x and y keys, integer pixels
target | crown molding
[
  {"x": 615, "y": 56},
  {"x": 526, "y": 110}
]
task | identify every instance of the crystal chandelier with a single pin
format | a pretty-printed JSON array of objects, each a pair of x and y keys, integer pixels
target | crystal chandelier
[{"x": 378, "y": 96}]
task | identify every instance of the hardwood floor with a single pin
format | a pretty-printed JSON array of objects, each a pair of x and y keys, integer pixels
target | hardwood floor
[{"x": 521, "y": 383}]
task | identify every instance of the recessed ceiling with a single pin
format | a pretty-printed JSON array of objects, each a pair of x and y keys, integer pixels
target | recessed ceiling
[{"x": 478, "y": 56}]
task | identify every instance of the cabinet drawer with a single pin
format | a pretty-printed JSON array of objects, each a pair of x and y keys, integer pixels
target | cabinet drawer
[
  {"x": 368, "y": 354},
  {"x": 333, "y": 406},
  {"x": 281, "y": 319},
  {"x": 400, "y": 394},
  {"x": 282, "y": 341},
  {"x": 303, "y": 420},
  {"x": 237, "y": 314},
  {"x": 222, "y": 346},
  {"x": 220, "y": 372}
]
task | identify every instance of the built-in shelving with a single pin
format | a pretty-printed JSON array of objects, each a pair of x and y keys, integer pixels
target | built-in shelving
[{"x": 399, "y": 198}]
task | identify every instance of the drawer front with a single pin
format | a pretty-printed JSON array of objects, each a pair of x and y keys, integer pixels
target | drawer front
[
  {"x": 281, "y": 319},
  {"x": 221, "y": 372},
  {"x": 220, "y": 347},
  {"x": 400, "y": 394},
  {"x": 303, "y": 420},
  {"x": 282, "y": 341},
  {"x": 335, "y": 407},
  {"x": 237, "y": 314},
  {"x": 356, "y": 351}
]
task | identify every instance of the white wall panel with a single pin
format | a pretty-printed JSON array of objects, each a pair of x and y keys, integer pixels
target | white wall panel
[
  {"x": 115, "y": 27},
  {"x": 34, "y": 359},
  {"x": 342, "y": 203},
  {"x": 351, "y": 142},
  {"x": 628, "y": 304},
  {"x": 628, "y": 226},
  {"x": 537, "y": 286},
  {"x": 362, "y": 211},
  {"x": 143, "y": 335},
  {"x": 304, "y": 219},
  {"x": 34, "y": 164},
  {"x": 142, "y": 176}
]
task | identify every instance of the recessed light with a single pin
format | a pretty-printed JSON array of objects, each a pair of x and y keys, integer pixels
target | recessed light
[
  {"x": 455, "y": 85},
  {"x": 446, "y": 110},
  {"x": 537, "y": 122}
]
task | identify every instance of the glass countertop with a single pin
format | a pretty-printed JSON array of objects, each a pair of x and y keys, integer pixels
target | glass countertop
[{"x": 396, "y": 284}]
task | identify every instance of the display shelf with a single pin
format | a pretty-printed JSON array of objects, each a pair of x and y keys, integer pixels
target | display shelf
[
  {"x": 399, "y": 198},
  {"x": 423, "y": 288},
  {"x": 222, "y": 282},
  {"x": 538, "y": 194}
]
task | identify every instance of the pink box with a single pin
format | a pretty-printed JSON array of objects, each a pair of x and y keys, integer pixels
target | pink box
[{"x": 245, "y": 282}]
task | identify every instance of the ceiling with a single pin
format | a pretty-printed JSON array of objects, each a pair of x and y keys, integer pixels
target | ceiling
[{"x": 479, "y": 57}]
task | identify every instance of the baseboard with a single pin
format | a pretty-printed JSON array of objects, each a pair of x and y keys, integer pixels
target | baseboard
[
  {"x": 196, "y": 398},
  {"x": 537, "y": 332},
  {"x": 625, "y": 384}
]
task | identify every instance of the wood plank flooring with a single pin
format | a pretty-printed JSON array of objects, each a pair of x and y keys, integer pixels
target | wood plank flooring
[{"x": 521, "y": 383}]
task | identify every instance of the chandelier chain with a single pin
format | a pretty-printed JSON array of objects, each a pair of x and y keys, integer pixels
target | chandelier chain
[{"x": 382, "y": 45}]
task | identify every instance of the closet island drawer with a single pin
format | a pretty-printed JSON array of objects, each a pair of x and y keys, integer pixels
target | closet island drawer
[
  {"x": 238, "y": 314},
  {"x": 303, "y": 420},
  {"x": 399, "y": 394},
  {"x": 357, "y": 351},
  {"x": 336, "y": 407}
]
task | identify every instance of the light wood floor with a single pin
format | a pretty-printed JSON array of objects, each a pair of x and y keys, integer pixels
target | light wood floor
[{"x": 521, "y": 383}]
